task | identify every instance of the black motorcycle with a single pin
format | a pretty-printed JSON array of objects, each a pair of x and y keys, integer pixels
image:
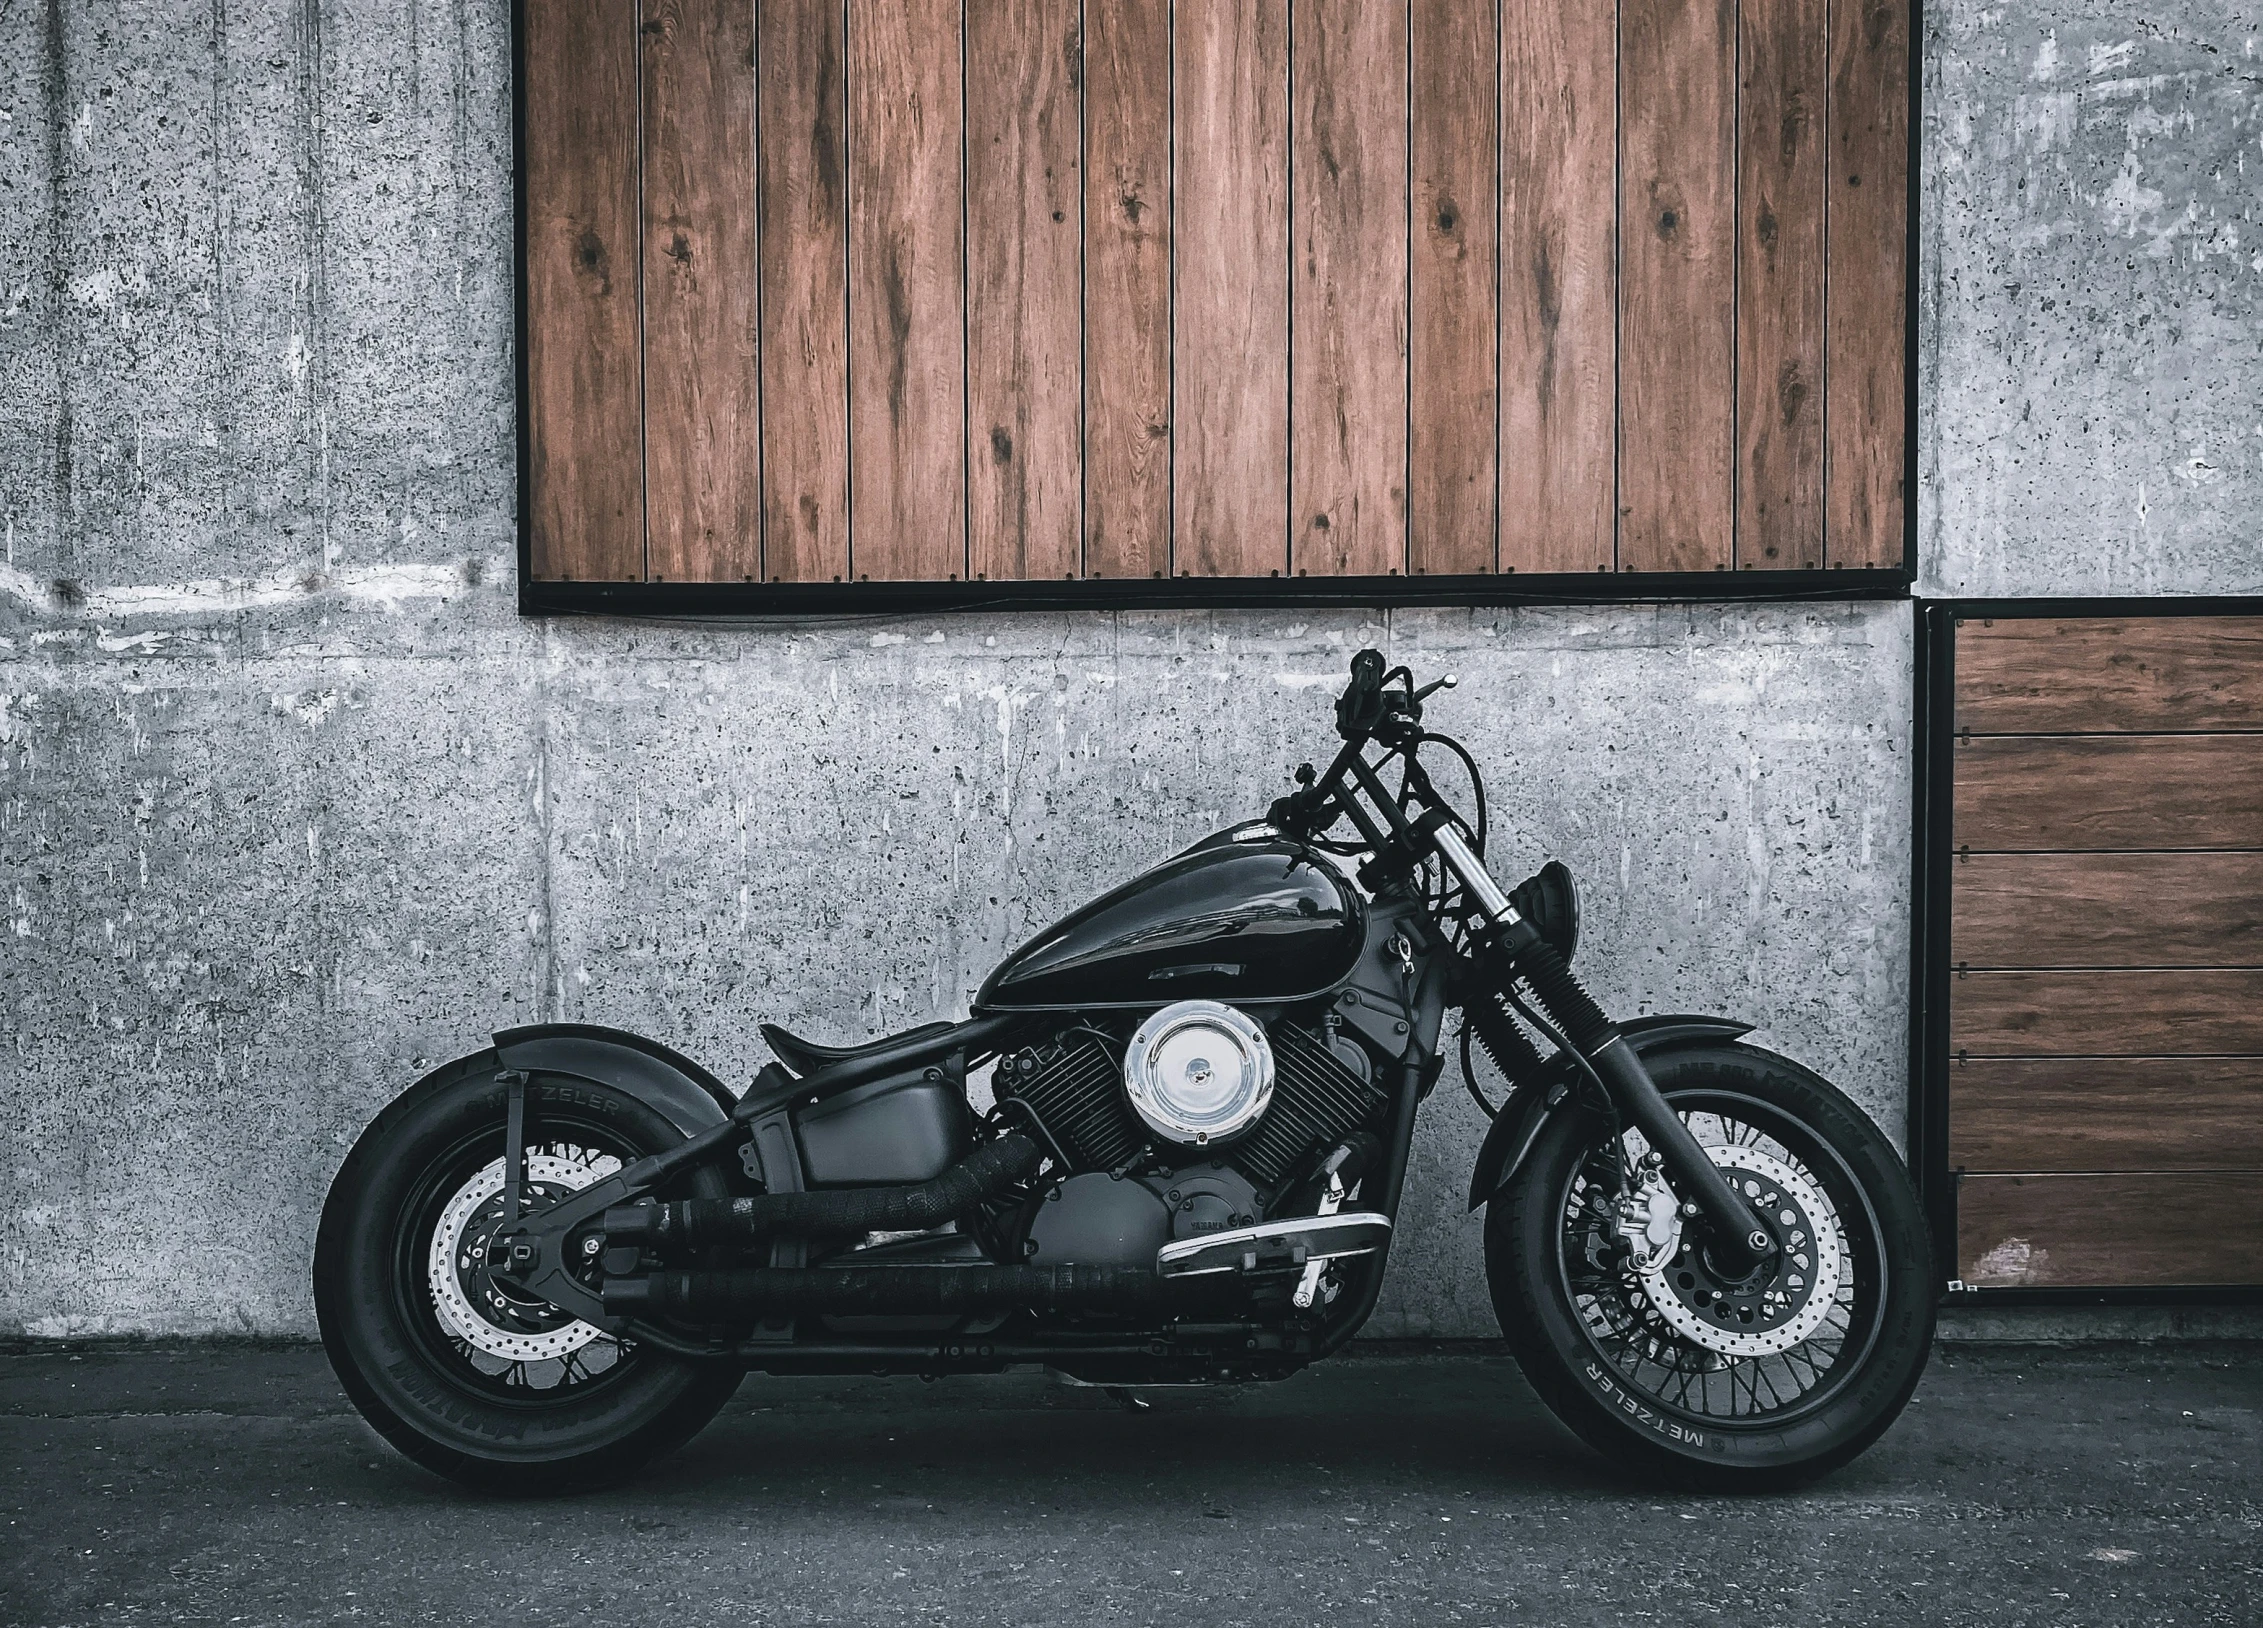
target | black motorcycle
[{"x": 549, "y": 1261}]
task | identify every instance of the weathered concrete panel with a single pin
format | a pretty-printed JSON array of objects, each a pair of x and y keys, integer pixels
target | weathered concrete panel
[
  {"x": 2091, "y": 276},
  {"x": 261, "y": 872}
]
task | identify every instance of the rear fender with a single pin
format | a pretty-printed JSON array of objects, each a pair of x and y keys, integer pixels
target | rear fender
[
  {"x": 672, "y": 1085},
  {"x": 1535, "y": 1101}
]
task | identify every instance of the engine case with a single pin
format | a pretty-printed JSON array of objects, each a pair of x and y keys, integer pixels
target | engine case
[{"x": 1322, "y": 1093}]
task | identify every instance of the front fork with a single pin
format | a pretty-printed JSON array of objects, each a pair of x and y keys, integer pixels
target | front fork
[{"x": 1739, "y": 1241}]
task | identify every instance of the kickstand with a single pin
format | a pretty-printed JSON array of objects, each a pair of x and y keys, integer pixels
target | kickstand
[{"x": 1132, "y": 1404}]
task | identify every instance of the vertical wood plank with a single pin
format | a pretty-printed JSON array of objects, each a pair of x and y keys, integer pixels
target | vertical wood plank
[
  {"x": 1127, "y": 282},
  {"x": 702, "y": 469},
  {"x": 907, "y": 333},
  {"x": 1785, "y": 50},
  {"x": 1865, "y": 451},
  {"x": 1559, "y": 287},
  {"x": 1348, "y": 289},
  {"x": 802, "y": 195},
  {"x": 1231, "y": 345},
  {"x": 1025, "y": 194},
  {"x": 1677, "y": 287},
  {"x": 1453, "y": 319},
  {"x": 584, "y": 406}
]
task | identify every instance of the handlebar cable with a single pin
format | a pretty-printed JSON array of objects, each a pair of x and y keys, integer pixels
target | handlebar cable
[
  {"x": 1469, "y": 1076},
  {"x": 1476, "y": 783}
]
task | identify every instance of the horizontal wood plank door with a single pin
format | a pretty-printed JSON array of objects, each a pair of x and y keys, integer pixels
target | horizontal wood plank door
[
  {"x": 2106, "y": 941},
  {"x": 1037, "y": 290}
]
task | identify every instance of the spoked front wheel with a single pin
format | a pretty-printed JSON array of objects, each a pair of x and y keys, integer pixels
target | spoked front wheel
[
  {"x": 1621, "y": 1322},
  {"x": 457, "y": 1368}
]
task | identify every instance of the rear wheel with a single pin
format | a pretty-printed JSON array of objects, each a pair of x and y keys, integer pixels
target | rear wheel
[
  {"x": 1661, "y": 1362},
  {"x": 465, "y": 1375}
]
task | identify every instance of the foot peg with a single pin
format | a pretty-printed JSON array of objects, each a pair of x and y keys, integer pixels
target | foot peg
[{"x": 1272, "y": 1246}]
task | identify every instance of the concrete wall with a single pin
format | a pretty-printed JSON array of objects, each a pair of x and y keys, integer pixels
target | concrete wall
[
  {"x": 292, "y": 805},
  {"x": 2091, "y": 276},
  {"x": 262, "y": 868}
]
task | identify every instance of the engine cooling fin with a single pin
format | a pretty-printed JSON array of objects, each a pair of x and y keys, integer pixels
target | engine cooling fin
[
  {"x": 1076, "y": 1090},
  {"x": 1317, "y": 1102}
]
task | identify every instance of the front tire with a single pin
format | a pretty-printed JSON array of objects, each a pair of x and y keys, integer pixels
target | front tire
[
  {"x": 491, "y": 1391},
  {"x": 1687, "y": 1378}
]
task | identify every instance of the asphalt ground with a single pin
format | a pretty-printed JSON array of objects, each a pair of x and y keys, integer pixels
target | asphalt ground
[{"x": 234, "y": 1485}]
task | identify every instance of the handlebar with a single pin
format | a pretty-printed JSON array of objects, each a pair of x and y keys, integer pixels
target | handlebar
[{"x": 1400, "y": 831}]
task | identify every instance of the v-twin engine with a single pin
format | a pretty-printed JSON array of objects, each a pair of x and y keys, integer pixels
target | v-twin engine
[{"x": 1075, "y": 1091}]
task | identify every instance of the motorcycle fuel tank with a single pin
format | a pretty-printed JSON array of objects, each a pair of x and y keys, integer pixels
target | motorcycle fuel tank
[{"x": 1226, "y": 921}]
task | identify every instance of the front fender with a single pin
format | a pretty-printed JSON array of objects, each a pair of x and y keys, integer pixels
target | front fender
[
  {"x": 675, "y": 1087},
  {"x": 1534, "y": 1101}
]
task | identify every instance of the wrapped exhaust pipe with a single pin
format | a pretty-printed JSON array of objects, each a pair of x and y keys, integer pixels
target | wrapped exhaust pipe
[
  {"x": 906, "y": 1290},
  {"x": 689, "y": 1223}
]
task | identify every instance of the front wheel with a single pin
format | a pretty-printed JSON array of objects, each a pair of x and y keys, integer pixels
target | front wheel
[
  {"x": 457, "y": 1369},
  {"x": 1667, "y": 1366}
]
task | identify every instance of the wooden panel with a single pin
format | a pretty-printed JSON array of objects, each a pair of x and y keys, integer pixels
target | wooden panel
[
  {"x": 907, "y": 378},
  {"x": 2016, "y": 1232},
  {"x": 1453, "y": 316},
  {"x": 2118, "y": 1013},
  {"x": 1785, "y": 47},
  {"x": 1025, "y": 295},
  {"x": 2108, "y": 910},
  {"x": 2107, "y": 1113},
  {"x": 803, "y": 195},
  {"x": 702, "y": 464},
  {"x": 1127, "y": 280},
  {"x": 2137, "y": 791},
  {"x": 2032, "y": 675},
  {"x": 1869, "y": 255},
  {"x": 584, "y": 407},
  {"x": 1348, "y": 333},
  {"x": 1559, "y": 290},
  {"x": 1677, "y": 283},
  {"x": 1231, "y": 349}
]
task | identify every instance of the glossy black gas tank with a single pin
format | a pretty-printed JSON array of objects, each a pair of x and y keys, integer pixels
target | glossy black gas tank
[{"x": 1228, "y": 921}]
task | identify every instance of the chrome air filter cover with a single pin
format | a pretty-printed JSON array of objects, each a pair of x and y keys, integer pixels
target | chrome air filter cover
[{"x": 1199, "y": 1072}]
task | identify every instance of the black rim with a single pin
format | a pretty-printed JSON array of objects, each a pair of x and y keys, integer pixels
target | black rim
[
  {"x": 492, "y": 1379},
  {"x": 1667, "y": 1367}
]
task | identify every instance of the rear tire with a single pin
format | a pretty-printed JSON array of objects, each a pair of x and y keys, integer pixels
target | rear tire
[
  {"x": 533, "y": 1402},
  {"x": 1657, "y": 1388}
]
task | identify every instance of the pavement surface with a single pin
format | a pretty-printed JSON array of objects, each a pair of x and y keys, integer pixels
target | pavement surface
[{"x": 2088, "y": 1485}]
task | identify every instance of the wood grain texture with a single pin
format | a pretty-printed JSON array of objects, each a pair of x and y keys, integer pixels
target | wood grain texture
[
  {"x": 1025, "y": 295},
  {"x": 2107, "y": 1113},
  {"x": 1784, "y": 71},
  {"x": 2026, "y": 1232},
  {"x": 2107, "y": 910},
  {"x": 1453, "y": 316},
  {"x": 702, "y": 431},
  {"x": 1677, "y": 284},
  {"x": 802, "y": 197},
  {"x": 1348, "y": 289},
  {"x": 907, "y": 333},
  {"x": 1127, "y": 283},
  {"x": 1230, "y": 369},
  {"x": 2109, "y": 792},
  {"x": 584, "y": 341},
  {"x": 2121, "y": 1013},
  {"x": 1559, "y": 295},
  {"x": 1869, "y": 223},
  {"x": 2036, "y": 675}
]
